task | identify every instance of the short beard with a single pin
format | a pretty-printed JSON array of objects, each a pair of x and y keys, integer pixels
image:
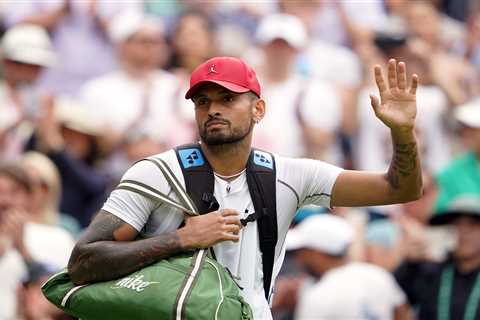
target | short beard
[{"x": 220, "y": 139}]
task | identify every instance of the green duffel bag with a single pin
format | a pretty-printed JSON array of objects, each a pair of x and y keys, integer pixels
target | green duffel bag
[
  {"x": 155, "y": 292},
  {"x": 188, "y": 286}
]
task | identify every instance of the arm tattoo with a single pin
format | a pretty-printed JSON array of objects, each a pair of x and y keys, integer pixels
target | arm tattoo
[
  {"x": 98, "y": 257},
  {"x": 404, "y": 163}
]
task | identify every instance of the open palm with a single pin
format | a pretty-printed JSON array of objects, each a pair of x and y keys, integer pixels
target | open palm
[{"x": 397, "y": 106}]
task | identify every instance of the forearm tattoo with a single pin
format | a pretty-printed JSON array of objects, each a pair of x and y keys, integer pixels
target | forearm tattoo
[
  {"x": 404, "y": 163},
  {"x": 98, "y": 257}
]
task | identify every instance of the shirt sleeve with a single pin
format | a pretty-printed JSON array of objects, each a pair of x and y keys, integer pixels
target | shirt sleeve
[
  {"x": 133, "y": 208},
  {"x": 313, "y": 179}
]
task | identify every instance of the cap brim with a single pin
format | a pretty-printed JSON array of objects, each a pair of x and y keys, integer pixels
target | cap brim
[
  {"x": 449, "y": 216},
  {"x": 294, "y": 240},
  {"x": 227, "y": 85}
]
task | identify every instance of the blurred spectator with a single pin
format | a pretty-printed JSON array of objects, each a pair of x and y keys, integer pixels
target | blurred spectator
[
  {"x": 372, "y": 146},
  {"x": 45, "y": 200},
  {"x": 78, "y": 29},
  {"x": 25, "y": 52},
  {"x": 67, "y": 133},
  {"x": 469, "y": 46},
  {"x": 33, "y": 304},
  {"x": 383, "y": 244},
  {"x": 14, "y": 192},
  {"x": 447, "y": 289},
  {"x": 36, "y": 242},
  {"x": 136, "y": 103},
  {"x": 310, "y": 107},
  {"x": 462, "y": 176},
  {"x": 345, "y": 290}
]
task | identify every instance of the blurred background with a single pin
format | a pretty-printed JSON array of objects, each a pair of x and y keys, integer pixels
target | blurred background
[{"x": 88, "y": 87}]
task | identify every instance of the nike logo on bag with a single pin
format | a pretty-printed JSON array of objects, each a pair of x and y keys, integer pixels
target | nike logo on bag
[{"x": 133, "y": 283}]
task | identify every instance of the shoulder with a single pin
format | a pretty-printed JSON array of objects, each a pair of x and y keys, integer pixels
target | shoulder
[
  {"x": 147, "y": 169},
  {"x": 456, "y": 166}
]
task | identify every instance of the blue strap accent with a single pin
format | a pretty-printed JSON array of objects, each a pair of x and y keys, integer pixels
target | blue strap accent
[
  {"x": 191, "y": 158},
  {"x": 263, "y": 159}
]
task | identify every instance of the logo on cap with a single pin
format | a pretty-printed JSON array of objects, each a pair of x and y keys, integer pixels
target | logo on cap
[{"x": 212, "y": 69}]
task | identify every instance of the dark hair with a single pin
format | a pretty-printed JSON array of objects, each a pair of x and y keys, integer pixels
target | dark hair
[{"x": 16, "y": 173}]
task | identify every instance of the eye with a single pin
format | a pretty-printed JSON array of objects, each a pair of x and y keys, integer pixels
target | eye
[
  {"x": 228, "y": 98},
  {"x": 202, "y": 101}
]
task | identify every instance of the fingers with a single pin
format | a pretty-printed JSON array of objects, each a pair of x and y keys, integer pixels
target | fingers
[
  {"x": 392, "y": 74},
  {"x": 413, "y": 87},
  {"x": 402, "y": 76},
  {"x": 382, "y": 86},
  {"x": 228, "y": 212}
]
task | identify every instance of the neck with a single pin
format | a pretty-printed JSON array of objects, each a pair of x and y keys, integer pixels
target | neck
[
  {"x": 331, "y": 264},
  {"x": 467, "y": 265},
  {"x": 136, "y": 72},
  {"x": 228, "y": 159},
  {"x": 276, "y": 74}
]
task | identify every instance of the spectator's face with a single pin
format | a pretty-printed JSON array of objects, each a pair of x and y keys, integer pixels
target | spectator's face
[
  {"x": 423, "y": 21},
  {"x": 471, "y": 138},
  {"x": 224, "y": 116},
  {"x": 192, "y": 38},
  {"x": 468, "y": 237},
  {"x": 77, "y": 144},
  {"x": 279, "y": 54},
  {"x": 12, "y": 195},
  {"x": 21, "y": 73},
  {"x": 146, "y": 48},
  {"x": 314, "y": 262}
]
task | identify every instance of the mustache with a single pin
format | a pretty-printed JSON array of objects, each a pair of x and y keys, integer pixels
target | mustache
[{"x": 215, "y": 119}]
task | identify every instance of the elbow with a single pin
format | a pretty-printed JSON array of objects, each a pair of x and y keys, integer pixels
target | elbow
[
  {"x": 75, "y": 267},
  {"x": 411, "y": 195}
]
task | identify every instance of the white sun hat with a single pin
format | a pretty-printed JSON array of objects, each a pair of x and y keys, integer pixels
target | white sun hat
[
  {"x": 27, "y": 43},
  {"x": 324, "y": 232}
]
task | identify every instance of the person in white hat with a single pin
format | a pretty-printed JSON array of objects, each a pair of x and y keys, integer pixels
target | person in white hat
[
  {"x": 137, "y": 97},
  {"x": 311, "y": 107},
  {"x": 340, "y": 289},
  {"x": 462, "y": 175},
  {"x": 25, "y": 51}
]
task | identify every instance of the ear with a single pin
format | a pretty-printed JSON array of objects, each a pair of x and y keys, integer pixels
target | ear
[{"x": 259, "y": 109}]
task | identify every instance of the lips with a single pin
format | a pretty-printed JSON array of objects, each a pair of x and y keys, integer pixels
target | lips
[{"x": 215, "y": 123}]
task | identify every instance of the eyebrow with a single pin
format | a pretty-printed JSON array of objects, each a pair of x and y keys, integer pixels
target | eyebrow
[{"x": 224, "y": 91}]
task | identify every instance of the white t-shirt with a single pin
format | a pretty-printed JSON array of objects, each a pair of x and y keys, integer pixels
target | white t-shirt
[
  {"x": 299, "y": 182},
  {"x": 356, "y": 291},
  {"x": 317, "y": 104},
  {"x": 119, "y": 100},
  {"x": 12, "y": 272},
  {"x": 49, "y": 245}
]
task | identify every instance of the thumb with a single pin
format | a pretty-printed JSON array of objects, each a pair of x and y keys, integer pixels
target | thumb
[{"x": 375, "y": 103}]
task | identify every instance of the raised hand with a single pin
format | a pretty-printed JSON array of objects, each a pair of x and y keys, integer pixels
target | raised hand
[{"x": 397, "y": 106}]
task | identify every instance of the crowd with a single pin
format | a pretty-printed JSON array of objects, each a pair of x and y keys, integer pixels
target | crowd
[{"x": 88, "y": 87}]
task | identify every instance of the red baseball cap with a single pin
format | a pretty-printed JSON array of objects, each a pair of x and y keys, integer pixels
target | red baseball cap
[{"x": 228, "y": 72}]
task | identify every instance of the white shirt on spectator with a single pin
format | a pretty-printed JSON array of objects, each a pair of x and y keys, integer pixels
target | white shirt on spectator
[
  {"x": 119, "y": 100},
  {"x": 299, "y": 182},
  {"x": 354, "y": 291},
  {"x": 48, "y": 245},
  {"x": 12, "y": 272},
  {"x": 314, "y": 102},
  {"x": 373, "y": 147}
]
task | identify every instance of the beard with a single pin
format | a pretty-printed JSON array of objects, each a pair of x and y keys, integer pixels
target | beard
[{"x": 228, "y": 135}]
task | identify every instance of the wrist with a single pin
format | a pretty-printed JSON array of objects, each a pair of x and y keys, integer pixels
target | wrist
[
  {"x": 184, "y": 239},
  {"x": 403, "y": 134}
]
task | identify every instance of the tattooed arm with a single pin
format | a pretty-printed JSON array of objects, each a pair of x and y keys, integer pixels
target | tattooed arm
[
  {"x": 108, "y": 249},
  {"x": 403, "y": 182}
]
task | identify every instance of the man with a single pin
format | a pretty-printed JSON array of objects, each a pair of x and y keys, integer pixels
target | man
[
  {"x": 25, "y": 53},
  {"x": 228, "y": 104},
  {"x": 342, "y": 289},
  {"x": 462, "y": 176},
  {"x": 450, "y": 289}
]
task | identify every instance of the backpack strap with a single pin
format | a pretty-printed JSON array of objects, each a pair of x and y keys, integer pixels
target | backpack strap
[
  {"x": 198, "y": 175},
  {"x": 261, "y": 179}
]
